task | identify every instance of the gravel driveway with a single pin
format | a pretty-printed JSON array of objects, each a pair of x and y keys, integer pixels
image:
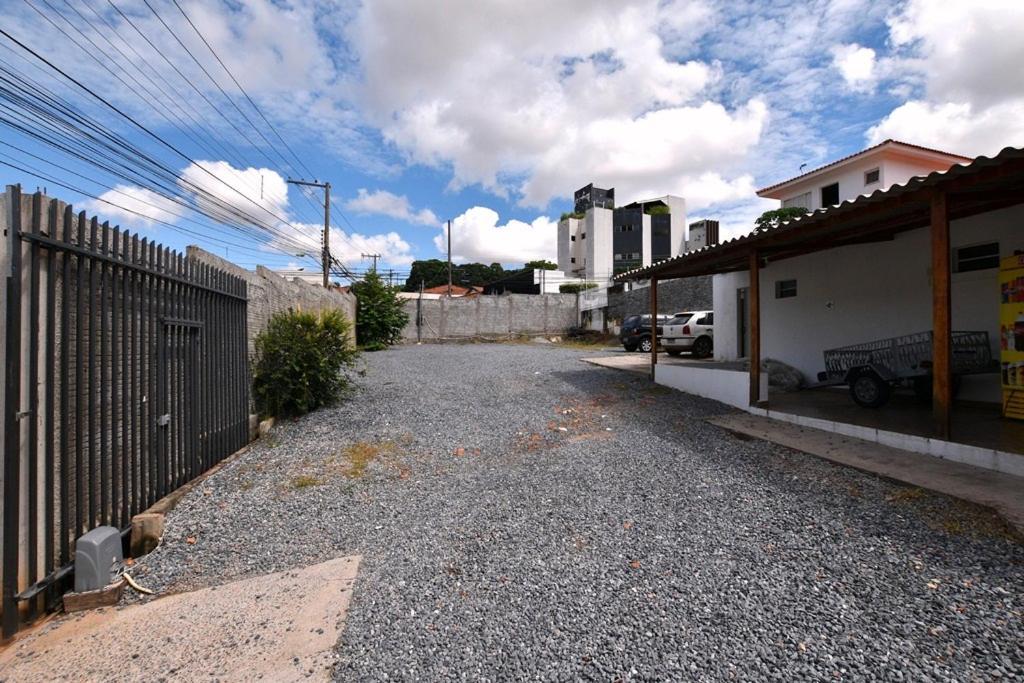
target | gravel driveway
[{"x": 523, "y": 515}]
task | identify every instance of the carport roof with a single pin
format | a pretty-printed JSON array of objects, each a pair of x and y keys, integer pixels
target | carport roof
[{"x": 985, "y": 184}]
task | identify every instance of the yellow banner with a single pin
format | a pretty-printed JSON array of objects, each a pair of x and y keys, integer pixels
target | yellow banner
[{"x": 1011, "y": 334}]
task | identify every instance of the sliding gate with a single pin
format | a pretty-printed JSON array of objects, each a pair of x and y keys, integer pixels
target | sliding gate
[{"x": 126, "y": 375}]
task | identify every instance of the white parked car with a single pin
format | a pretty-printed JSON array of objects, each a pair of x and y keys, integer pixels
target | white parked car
[{"x": 691, "y": 331}]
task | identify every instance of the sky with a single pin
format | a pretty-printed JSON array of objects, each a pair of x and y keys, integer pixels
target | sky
[{"x": 492, "y": 113}]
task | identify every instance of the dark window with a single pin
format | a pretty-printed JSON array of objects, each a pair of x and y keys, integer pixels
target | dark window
[
  {"x": 872, "y": 176},
  {"x": 583, "y": 236},
  {"x": 830, "y": 194},
  {"x": 785, "y": 289},
  {"x": 977, "y": 257},
  {"x": 572, "y": 238},
  {"x": 572, "y": 260},
  {"x": 708, "y": 319}
]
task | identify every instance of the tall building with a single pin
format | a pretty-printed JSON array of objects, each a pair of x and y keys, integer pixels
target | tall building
[{"x": 599, "y": 240}]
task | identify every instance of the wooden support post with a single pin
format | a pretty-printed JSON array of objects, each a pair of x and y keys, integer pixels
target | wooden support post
[
  {"x": 754, "y": 306},
  {"x": 942, "y": 335},
  {"x": 654, "y": 324}
]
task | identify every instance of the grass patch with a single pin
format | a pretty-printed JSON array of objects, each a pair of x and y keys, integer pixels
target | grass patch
[
  {"x": 907, "y": 495},
  {"x": 358, "y": 456},
  {"x": 305, "y": 481}
]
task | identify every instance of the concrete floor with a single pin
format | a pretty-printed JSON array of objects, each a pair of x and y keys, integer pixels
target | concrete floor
[{"x": 974, "y": 424}]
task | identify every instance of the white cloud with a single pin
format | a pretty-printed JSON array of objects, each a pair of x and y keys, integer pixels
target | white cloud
[
  {"x": 347, "y": 247},
  {"x": 387, "y": 203},
  {"x": 966, "y": 59},
  {"x": 538, "y": 98},
  {"x": 857, "y": 66},
  {"x": 954, "y": 127},
  {"x": 477, "y": 236},
  {"x": 132, "y": 206},
  {"x": 259, "y": 194}
]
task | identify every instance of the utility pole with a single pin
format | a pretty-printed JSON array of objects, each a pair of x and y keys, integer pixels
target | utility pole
[
  {"x": 449, "y": 259},
  {"x": 374, "y": 257},
  {"x": 326, "y": 255},
  {"x": 419, "y": 315}
]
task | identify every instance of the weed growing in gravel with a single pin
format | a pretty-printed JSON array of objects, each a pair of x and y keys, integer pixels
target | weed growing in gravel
[
  {"x": 359, "y": 455},
  {"x": 304, "y": 481}
]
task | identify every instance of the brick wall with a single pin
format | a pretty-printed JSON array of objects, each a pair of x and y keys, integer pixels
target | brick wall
[
  {"x": 492, "y": 316},
  {"x": 269, "y": 293},
  {"x": 683, "y": 294}
]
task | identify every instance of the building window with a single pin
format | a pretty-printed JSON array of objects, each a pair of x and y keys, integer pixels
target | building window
[
  {"x": 583, "y": 236},
  {"x": 830, "y": 195},
  {"x": 618, "y": 257},
  {"x": 785, "y": 289},
  {"x": 572, "y": 260},
  {"x": 802, "y": 201},
  {"x": 572, "y": 238},
  {"x": 873, "y": 176},
  {"x": 977, "y": 257}
]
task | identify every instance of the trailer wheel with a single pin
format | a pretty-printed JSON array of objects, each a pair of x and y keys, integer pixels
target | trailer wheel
[{"x": 868, "y": 390}]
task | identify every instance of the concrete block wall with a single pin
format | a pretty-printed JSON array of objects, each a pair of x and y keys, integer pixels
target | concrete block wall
[
  {"x": 683, "y": 294},
  {"x": 491, "y": 316},
  {"x": 269, "y": 294}
]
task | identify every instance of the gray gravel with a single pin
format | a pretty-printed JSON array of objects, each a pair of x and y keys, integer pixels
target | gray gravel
[{"x": 638, "y": 543}]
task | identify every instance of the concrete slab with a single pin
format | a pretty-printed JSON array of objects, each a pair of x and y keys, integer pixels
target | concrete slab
[
  {"x": 1003, "y": 493},
  {"x": 632, "y": 362},
  {"x": 278, "y": 627}
]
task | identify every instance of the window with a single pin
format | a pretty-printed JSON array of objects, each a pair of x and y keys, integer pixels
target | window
[
  {"x": 873, "y": 176},
  {"x": 976, "y": 257},
  {"x": 785, "y": 289},
  {"x": 618, "y": 257},
  {"x": 830, "y": 195},
  {"x": 708, "y": 319},
  {"x": 802, "y": 201},
  {"x": 572, "y": 238},
  {"x": 583, "y": 236},
  {"x": 572, "y": 260}
]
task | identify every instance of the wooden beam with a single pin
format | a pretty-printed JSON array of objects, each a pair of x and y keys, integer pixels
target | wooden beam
[
  {"x": 754, "y": 305},
  {"x": 654, "y": 324},
  {"x": 942, "y": 336}
]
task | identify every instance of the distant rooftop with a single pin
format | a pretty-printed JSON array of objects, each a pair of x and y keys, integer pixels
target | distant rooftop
[{"x": 886, "y": 144}]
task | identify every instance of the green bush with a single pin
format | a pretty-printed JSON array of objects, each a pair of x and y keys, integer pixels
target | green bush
[
  {"x": 572, "y": 214},
  {"x": 576, "y": 287},
  {"x": 657, "y": 210},
  {"x": 380, "y": 317},
  {"x": 302, "y": 362}
]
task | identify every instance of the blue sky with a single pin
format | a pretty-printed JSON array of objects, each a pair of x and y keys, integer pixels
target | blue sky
[{"x": 492, "y": 113}]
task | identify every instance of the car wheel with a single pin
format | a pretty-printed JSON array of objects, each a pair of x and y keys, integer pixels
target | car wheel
[
  {"x": 702, "y": 347},
  {"x": 868, "y": 390},
  {"x": 629, "y": 347},
  {"x": 675, "y": 353},
  {"x": 645, "y": 345}
]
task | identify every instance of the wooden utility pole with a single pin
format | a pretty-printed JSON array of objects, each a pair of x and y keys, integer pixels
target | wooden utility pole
[
  {"x": 449, "y": 258},
  {"x": 654, "y": 325},
  {"x": 325, "y": 256}
]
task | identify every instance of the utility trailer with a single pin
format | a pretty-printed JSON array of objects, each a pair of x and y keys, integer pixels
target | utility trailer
[{"x": 872, "y": 369}]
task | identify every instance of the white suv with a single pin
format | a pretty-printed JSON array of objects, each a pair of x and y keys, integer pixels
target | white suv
[{"x": 691, "y": 331}]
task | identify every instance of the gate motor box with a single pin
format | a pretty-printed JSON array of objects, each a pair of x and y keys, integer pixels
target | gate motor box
[{"x": 98, "y": 559}]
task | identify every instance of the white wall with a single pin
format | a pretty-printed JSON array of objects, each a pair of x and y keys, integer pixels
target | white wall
[
  {"x": 894, "y": 169},
  {"x": 731, "y": 387},
  {"x": 872, "y": 291},
  {"x": 597, "y": 246}
]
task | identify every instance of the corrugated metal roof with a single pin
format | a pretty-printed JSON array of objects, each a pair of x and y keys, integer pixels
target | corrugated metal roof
[
  {"x": 811, "y": 219},
  {"x": 862, "y": 152}
]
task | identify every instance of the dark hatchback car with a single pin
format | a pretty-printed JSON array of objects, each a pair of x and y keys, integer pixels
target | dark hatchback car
[{"x": 635, "y": 332}]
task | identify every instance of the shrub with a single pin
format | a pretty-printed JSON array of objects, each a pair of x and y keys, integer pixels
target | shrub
[
  {"x": 572, "y": 214},
  {"x": 657, "y": 210},
  {"x": 576, "y": 287},
  {"x": 380, "y": 317},
  {"x": 302, "y": 362}
]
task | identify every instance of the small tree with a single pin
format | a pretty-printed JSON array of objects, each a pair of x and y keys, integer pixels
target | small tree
[
  {"x": 380, "y": 317},
  {"x": 302, "y": 362},
  {"x": 775, "y": 217}
]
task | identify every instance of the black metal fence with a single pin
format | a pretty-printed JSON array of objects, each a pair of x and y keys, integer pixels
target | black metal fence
[{"x": 126, "y": 375}]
